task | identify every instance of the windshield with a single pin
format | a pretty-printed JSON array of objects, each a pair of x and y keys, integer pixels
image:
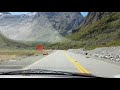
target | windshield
[{"x": 76, "y": 42}]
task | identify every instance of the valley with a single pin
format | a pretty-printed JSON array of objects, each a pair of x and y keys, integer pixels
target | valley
[{"x": 67, "y": 41}]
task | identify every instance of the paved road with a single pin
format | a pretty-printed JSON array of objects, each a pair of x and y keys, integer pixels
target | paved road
[
  {"x": 66, "y": 61},
  {"x": 56, "y": 61},
  {"x": 97, "y": 67}
]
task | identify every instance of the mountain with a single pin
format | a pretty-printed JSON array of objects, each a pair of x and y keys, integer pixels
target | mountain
[
  {"x": 64, "y": 22},
  {"x": 94, "y": 16},
  {"x": 99, "y": 29},
  {"x": 40, "y": 26}
]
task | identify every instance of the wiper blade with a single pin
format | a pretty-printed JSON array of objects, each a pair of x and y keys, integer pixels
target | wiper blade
[{"x": 44, "y": 72}]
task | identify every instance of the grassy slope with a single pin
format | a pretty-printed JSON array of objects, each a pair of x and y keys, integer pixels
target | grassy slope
[
  {"x": 6, "y": 43},
  {"x": 104, "y": 32},
  {"x": 9, "y": 48}
]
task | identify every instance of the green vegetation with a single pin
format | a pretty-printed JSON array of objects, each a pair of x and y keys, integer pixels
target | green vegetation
[
  {"x": 102, "y": 33},
  {"x": 64, "y": 45},
  {"x": 19, "y": 52},
  {"x": 15, "y": 50},
  {"x": 8, "y": 43}
]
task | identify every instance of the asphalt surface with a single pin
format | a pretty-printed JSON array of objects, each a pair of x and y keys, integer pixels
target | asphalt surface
[
  {"x": 61, "y": 60},
  {"x": 56, "y": 61}
]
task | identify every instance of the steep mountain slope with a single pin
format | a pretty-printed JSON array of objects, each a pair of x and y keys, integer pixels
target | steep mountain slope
[
  {"x": 94, "y": 16},
  {"x": 64, "y": 22},
  {"x": 39, "y": 26},
  {"x": 99, "y": 29}
]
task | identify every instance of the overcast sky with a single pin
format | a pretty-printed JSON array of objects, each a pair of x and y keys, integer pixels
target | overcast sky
[{"x": 18, "y": 13}]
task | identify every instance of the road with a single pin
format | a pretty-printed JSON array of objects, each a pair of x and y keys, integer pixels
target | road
[
  {"x": 58, "y": 61},
  {"x": 61, "y": 60},
  {"x": 67, "y": 61}
]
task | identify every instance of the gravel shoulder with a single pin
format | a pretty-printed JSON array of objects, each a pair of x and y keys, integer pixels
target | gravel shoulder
[{"x": 106, "y": 54}]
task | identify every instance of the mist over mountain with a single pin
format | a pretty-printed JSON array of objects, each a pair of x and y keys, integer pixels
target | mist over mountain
[
  {"x": 39, "y": 26},
  {"x": 71, "y": 28},
  {"x": 6, "y": 43}
]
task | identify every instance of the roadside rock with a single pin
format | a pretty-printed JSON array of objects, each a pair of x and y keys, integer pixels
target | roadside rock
[{"x": 110, "y": 53}]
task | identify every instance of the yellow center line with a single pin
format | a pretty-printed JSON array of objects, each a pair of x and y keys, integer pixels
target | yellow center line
[
  {"x": 78, "y": 66},
  {"x": 70, "y": 59}
]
